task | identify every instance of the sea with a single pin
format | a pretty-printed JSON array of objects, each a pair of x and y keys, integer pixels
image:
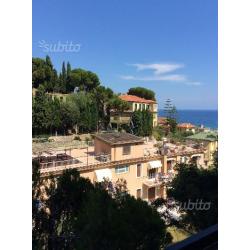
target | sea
[{"x": 207, "y": 118}]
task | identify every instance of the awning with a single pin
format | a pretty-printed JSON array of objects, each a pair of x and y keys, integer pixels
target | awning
[
  {"x": 155, "y": 164},
  {"x": 103, "y": 173},
  {"x": 196, "y": 155}
]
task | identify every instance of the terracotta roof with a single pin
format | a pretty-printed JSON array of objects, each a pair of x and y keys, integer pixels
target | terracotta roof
[
  {"x": 185, "y": 125},
  {"x": 162, "y": 120},
  {"x": 133, "y": 98}
]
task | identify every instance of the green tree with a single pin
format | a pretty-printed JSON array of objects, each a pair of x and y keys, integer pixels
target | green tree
[
  {"x": 64, "y": 73},
  {"x": 85, "y": 216},
  {"x": 158, "y": 133},
  {"x": 65, "y": 203},
  {"x": 171, "y": 115},
  {"x": 142, "y": 92},
  {"x": 40, "y": 111},
  {"x": 215, "y": 159},
  {"x": 142, "y": 123},
  {"x": 55, "y": 122},
  {"x": 103, "y": 96},
  {"x": 119, "y": 106},
  {"x": 195, "y": 185},
  {"x": 69, "y": 115},
  {"x": 68, "y": 77},
  {"x": 85, "y": 80},
  {"x": 88, "y": 111},
  {"x": 43, "y": 73},
  {"x": 40, "y": 217}
]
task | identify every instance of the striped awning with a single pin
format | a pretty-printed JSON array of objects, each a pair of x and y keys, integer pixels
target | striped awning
[{"x": 155, "y": 164}]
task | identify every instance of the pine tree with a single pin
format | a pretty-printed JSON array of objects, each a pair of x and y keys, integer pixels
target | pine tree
[{"x": 171, "y": 115}]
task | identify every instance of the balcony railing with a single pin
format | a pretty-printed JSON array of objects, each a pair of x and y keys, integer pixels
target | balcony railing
[
  {"x": 95, "y": 164},
  {"x": 185, "y": 152},
  {"x": 158, "y": 179}
]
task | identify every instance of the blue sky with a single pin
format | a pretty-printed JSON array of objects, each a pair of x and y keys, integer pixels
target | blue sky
[{"x": 169, "y": 46}]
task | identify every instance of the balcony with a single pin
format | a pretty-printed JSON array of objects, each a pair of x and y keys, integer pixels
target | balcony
[
  {"x": 120, "y": 119},
  {"x": 76, "y": 158},
  {"x": 157, "y": 179}
]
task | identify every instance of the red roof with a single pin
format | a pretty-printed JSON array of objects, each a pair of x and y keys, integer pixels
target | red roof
[
  {"x": 133, "y": 98},
  {"x": 185, "y": 125},
  {"x": 162, "y": 120}
]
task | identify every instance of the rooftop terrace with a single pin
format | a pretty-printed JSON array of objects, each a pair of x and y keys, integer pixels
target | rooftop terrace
[{"x": 119, "y": 138}]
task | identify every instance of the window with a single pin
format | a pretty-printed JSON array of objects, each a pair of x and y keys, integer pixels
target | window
[
  {"x": 183, "y": 159},
  {"x": 135, "y": 106},
  {"x": 121, "y": 169},
  {"x": 138, "y": 193},
  {"x": 126, "y": 150},
  {"x": 138, "y": 170},
  {"x": 151, "y": 173}
]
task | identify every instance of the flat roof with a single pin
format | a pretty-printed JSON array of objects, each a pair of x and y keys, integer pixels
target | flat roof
[
  {"x": 119, "y": 138},
  {"x": 205, "y": 136},
  {"x": 39, "y": 147}
]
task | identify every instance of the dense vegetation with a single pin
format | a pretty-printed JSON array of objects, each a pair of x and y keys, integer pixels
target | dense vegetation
[
  {"x": 195, "y": 192},
  {"x": 171, "y": 115},
  {"x": 79, "y": 215},
  {"x": 193, "y": 184},
  {"x": 142, "y": 92},
  {"x": 43, "y": 73},
  {"x": 142, "y": 123},
  {"x": 85, "y": 110},
  {"x": 49, "y": 115}
]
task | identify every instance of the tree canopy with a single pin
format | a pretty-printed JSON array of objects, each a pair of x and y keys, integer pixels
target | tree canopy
[
  {"x": 171, "y": 115},
  {"x": 43, "y": 73},
  {"x": 78, "y": 112},
  {"x": 142, "y": 92},
  {"x": 80, "y": 215},
  {"x": 142, "y": 123},
  {"x": 87, "y": 109},
  {"x": 193, "y": 184}
]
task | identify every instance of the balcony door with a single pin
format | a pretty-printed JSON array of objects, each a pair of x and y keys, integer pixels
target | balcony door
[
  {"x": 151, "y": 193},
  {"x": 151, "y": 173}
]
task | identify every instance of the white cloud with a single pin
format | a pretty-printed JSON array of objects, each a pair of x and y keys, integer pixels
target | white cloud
[
  {"x": 176, "y": 78},
  {"x": 160, "y": 71},
  {"x": 158, "y": 68}
]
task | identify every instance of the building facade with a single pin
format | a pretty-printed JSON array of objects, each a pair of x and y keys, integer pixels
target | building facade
[
  {"x": 209, "y": 141},
  {"x": 116, "y": 156},
  {"x": 135, "y": 103}
]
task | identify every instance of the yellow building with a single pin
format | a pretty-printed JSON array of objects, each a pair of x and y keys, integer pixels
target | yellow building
[
  {"x": 135, "y": 103},
  {"x": 116, "y": 156},
  {"x": 209, "y": 141}
]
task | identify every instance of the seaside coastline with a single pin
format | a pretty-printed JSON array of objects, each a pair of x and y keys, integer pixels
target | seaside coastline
[{"x": 208, "y": 118}]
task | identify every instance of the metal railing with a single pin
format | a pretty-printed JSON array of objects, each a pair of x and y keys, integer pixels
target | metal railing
[
  {"x": 185, "y": 152},
  {"x": 83, "y": 166}
]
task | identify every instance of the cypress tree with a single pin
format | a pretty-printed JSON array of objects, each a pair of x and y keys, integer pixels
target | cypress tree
[{"x": 68, "y": 78}]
